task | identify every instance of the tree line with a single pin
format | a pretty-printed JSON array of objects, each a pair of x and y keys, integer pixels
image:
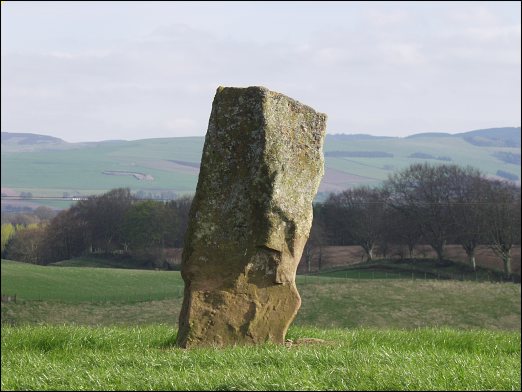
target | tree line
[
  {"x": 116, "y": 222},
  {"x": 422, "y": 204}
]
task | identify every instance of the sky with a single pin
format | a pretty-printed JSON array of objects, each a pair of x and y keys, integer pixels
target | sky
[{"x": 88, "y": 71}]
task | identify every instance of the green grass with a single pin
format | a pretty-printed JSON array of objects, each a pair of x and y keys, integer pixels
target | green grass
[
  {"x": 461, "y": 152},
  {"x": 145, "y": 358},
  {"x": 77, "y": 284},
  {"x": 409, "y": 304},
  {"x": 77, "y": 328},
  {"x": 103, "y": 262},
  {"x": 81, "y": 169},
  {"x": 415, "y": 269},
  {"x": 107, "y": 296}
]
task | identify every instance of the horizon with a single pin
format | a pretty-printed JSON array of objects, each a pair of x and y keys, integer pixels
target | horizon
[
  {"x": 452, "y": 133},
  {"x": 121, "y": 70}
]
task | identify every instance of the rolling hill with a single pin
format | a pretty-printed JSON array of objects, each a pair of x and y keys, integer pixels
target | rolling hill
[
  {"x": 109, "y": 296},
  {"x": 51, "y": 167}
]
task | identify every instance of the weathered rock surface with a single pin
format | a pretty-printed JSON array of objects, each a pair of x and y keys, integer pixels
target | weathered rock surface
[{"x": 250, "y": 219}]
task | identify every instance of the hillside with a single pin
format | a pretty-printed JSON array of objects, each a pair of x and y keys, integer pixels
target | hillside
[
  {"x": 17, "y": 142},
  {"x": 109, "y": 296},
  {"x": 48, "y": 167},
  {"x": 493, "y": 137},
  {"x": 113, "y": 329}
]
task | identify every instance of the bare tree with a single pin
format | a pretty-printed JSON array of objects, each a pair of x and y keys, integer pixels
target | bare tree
[
  {"x": 316, "y": 241},
  {"x": 335, "y": 221},
  {"x": 503, "y": 220},
  {"x": 469, "y": 212},
  {"x": 425, "y": 195},
  {"x": 363, "y": 209},
  {"x": 402, "y": 230}
]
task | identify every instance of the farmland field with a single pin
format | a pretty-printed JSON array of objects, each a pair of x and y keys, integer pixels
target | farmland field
[
  {"x": 107, "y": 296},
  {"x": 173, "y": 164},
  {"x": 75, "y": 328}
]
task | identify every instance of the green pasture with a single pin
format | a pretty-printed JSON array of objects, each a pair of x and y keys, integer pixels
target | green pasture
[
  {"x": 146, "y": 358},
  {"x": 84, "y": 328},
  {"x": 109, "y": 296},
  {"x": 80, "y": 169},
  {"x": 460, "y": 151},
  {"x": 76, "y": 284},
  {"x": 415, "y": 270}
]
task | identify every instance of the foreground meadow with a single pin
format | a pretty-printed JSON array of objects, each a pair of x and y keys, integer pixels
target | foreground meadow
[
  {"x": 145, "y": 358},
  {"x": 113, "y": 329}
]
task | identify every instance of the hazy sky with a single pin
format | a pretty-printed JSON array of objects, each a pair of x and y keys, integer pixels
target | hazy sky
[{"x": 115, "y": 70}]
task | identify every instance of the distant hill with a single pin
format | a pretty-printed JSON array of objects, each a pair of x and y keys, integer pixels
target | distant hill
[
  {"x": 48, "y": 166},
  {"x": 490, "y": 137},
  {"x": 493, "y": 137},
  {"x": 14, "y": 141},
  {"x": 356, "y": 136},
  {"x": 429, "y": 134},
  {"x": 28, "y": 138},
  {"x": 24, "y": 142}
]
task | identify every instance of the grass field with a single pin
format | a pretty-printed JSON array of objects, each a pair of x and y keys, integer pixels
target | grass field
[
  {"x": 50, "y": 173},
  {"x": 145, "y": 358},
  {"x": 107, "y": 296},
  {"x": 76, "y": 284},
  {"x": 417, "y": 269},
  {"x": 77, "y": 328}
]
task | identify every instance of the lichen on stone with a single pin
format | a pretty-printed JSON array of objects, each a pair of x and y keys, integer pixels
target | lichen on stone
[{"x": 261, "y": 167}]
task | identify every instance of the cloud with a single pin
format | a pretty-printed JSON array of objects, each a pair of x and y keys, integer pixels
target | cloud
[
  {"x": 493, "y": 33},
  {"x": 380, "y": 18},
  {"x": 376, "y": 71},
  {"x": 403, "y": 53},
  {"x": 476, "y": 15}
]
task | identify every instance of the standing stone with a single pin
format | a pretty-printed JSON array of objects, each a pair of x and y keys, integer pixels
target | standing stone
[{"x": 250, "y": 218}]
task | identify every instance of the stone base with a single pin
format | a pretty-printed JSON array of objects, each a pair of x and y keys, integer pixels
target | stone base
[{"x": 251, "y": 315}]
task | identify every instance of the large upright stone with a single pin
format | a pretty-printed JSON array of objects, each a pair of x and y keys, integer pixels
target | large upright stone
[{"x": 250, "y": 219}]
